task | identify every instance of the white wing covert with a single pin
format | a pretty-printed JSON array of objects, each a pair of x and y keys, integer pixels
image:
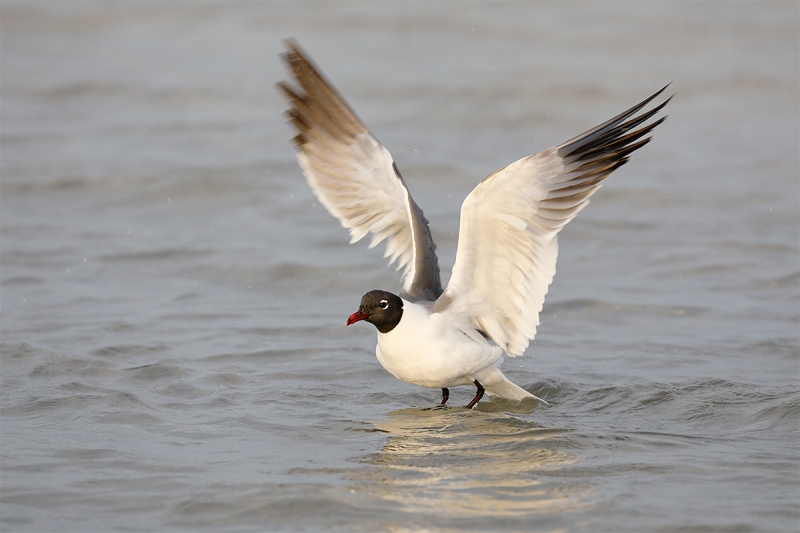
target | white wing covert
[
  {"x": 355, "y": 177},
  {"x": 507, "y": 246}
]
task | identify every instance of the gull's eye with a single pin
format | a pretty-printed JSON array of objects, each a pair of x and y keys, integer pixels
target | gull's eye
[{"x": 384, "y": 304}]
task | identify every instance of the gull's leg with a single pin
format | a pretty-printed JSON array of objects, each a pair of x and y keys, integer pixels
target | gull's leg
[
  {"x": 445, "y": 396},
  {"x": 478, "y": 395}
]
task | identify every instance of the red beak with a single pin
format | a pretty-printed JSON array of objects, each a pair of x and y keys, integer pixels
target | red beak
[{"x": 356, "y": 317}]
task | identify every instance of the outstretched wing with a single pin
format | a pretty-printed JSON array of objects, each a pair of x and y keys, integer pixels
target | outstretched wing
[
  {"x": 355, "y": 177},
  {"x": 507, "y": 245}
]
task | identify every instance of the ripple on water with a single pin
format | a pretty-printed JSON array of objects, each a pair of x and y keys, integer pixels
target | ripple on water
[
  {"x": 153, "y": 372},
  {"x": 115, "y": 351},
  {"x": 227, "y": 379}
]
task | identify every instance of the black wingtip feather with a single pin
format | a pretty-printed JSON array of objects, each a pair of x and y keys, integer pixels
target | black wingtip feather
[{"x": 612, "y": 128}]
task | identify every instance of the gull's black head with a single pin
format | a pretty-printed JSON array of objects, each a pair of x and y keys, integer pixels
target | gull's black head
[{"x": 381, "y": 308}]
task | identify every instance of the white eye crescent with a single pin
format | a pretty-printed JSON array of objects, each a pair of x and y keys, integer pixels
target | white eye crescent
[{"x": 384, "y": 304}]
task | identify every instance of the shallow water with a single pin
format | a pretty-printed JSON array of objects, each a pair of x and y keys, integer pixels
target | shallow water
[{"x": 173, "y": 298}]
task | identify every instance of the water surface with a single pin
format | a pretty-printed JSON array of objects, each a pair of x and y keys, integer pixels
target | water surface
[{"x": 174, "y": 356}]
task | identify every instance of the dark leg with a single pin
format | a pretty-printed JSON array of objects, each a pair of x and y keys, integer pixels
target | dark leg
[
  {"x": 445, "y": 396},
  {"x": 478, "y": 395}
]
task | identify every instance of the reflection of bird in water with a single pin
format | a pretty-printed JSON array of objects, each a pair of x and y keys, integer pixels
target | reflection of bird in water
[
  {"x": 444, "y": 462},
  {"x": 430, "y": 335}
]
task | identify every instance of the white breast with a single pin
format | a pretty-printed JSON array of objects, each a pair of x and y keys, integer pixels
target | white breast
[{"x": 425, "y": 349}]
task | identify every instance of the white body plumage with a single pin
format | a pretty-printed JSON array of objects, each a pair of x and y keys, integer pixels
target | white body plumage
[
  {"x": 427, "y": 350},
  {"x": 434, "y": 350}
]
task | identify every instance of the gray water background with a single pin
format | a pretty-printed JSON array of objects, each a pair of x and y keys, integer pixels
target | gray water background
[{"x": 174, "y": 356}]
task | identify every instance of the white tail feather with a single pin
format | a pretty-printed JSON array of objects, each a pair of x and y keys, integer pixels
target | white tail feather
[{"x": 496, "y": 384}]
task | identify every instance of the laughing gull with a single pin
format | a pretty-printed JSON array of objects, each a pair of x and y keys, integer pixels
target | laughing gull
[{"x": 507, "y": 244}]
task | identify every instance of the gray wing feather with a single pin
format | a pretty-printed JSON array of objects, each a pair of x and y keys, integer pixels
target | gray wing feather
[{"x": 355, "y": 177}]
